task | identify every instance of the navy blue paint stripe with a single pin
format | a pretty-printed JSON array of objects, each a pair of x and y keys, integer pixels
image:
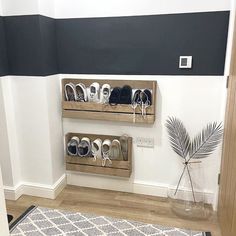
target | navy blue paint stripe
[{"x": 151, "y": 45}]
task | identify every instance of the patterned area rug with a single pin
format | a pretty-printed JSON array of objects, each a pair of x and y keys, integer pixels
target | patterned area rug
[{"x": 38, "y": 221}]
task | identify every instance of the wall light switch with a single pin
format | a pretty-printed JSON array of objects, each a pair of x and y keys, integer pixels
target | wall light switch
[
  {"x": 145, "y": 142},
  {"x": 185, "y": 62}
]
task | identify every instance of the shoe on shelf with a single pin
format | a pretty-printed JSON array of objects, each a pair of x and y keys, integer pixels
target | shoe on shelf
[
  {"x": 94, "y": 90},
  {"x": 105, "y": 93},
  {"x": 124, "y": 146},
  {"x": 81, "y": 92},
  {"x": 136, "y": 97},
  {"x": 126, "y": 95},
  {"x": 114, "y": 98},
  {"x": 115, "y": 150},
  {"x": 72, "y": 146},
  {"x": 149, "y": 95},
  {"x": 70, "y": 93},
  {"x": 106, "y": 145},
  {"x": 84, "y": 147},
  {"x": 97, "y": 148}
]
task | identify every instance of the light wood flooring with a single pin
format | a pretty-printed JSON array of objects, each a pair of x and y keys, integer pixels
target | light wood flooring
[{"x": 143, "y": 208}]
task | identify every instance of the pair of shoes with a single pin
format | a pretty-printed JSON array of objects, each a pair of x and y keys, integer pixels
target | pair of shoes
[
  {"x": 77, "y": 147},
  {"x": 121, "y": 95},
  {"x": 79, "y": 93},
  {"x": 108, "y": 150},
  {"x": 142, "y": 98},
  {"x": 99, "y": 95},
  {"x": 76, "y": 92}
]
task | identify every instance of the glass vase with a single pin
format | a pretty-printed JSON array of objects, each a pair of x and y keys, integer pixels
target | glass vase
[{"x": 186, "y": 194}]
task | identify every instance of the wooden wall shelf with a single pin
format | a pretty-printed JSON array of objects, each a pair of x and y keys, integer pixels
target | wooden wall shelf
[
  {"x": 120, "y": 112},
  {"x": 89, "y": 165}
]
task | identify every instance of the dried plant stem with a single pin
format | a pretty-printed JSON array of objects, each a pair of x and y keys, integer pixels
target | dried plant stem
[
  {"x": 177, "y": 188},
  {"x": 190, "y": 178}
]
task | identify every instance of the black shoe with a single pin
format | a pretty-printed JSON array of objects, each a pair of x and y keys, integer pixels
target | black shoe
[
  {"x": 115, "y": 96},
  {"x": 126, "y": 95},
  {"x": 136, "y": 97},
  {"x": 149, "y": 95}
]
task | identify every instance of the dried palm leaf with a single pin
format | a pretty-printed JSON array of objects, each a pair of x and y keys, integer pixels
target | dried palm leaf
[
  {"x": 178, "y": 136},
  {"x": 206, "y": 142}
]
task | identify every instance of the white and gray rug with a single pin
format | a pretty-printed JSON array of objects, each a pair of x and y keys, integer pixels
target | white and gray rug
[{"x": 39, "y": 221}]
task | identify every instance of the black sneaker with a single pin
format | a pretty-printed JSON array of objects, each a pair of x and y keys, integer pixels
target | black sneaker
[
  {"x": 115, "y": 96},
  {"x": 126, "y": 95}
]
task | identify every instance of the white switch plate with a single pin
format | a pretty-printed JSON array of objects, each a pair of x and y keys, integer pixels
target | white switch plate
[
  {"x": 185, "y": 62},
  {"x": 145, "y": 142}
]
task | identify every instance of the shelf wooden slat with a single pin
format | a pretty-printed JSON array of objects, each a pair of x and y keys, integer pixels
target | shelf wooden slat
[
  {"x": 98, "y": 107},
  {"x": 99, "y": 170},
  {"x": 109, "y": 116}
]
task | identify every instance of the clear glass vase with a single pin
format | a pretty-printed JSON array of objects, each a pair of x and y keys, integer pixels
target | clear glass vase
[{"x": 186, "y": 194}]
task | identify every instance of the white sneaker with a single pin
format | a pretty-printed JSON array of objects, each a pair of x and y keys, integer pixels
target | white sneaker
[
  {"x": 81, "y": 92},
  {"x": 84, "y": 147},
  {"x": 72, "y": 146},
  {"x": 105, "y": 93},
  {"x": 106, "y": 151},
  {"x": 97, "y": 148},
  {"x": 70, "y": 93},
  {"x": 94, "y": 90},
  {"x": 115, "y": 150}
]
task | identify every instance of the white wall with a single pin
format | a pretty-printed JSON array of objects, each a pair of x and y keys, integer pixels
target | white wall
[
  {"x": 103, "y": 8},
  {"x": 196, "y": 100},
  {"x": 94, "y": 8}
]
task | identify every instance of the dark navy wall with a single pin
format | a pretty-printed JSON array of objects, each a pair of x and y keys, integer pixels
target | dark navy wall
[
  {"x": 38, "y": 45},
  {"x": 143, "y": 44},
  {"x": 3, "y": 51}
]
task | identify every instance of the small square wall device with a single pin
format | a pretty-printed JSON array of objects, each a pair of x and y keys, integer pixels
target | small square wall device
[{"x": 185, "y": 62}]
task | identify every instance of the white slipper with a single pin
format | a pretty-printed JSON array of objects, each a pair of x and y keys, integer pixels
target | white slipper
[
  {"x": 94, "y": 90},
  {"x": 84, "y": 147},
  {"x": 115, "y": 150},
  {"x": 70, "y": 93},
  {"x": 81, "y": 92},
  {"x": 105, "y": 93},
  {"x": 72, "y": 146},
  {"x": 106, "y": 151},
  {"x": 97, "y": 148}
]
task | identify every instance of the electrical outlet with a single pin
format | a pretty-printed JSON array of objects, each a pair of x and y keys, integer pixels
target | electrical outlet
[{"x": 145, "y": 142}]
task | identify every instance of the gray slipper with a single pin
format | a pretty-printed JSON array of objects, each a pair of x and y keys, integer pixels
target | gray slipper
[
  {"x": 115, "y": 150},
  {"x": 124, "y": 146}
]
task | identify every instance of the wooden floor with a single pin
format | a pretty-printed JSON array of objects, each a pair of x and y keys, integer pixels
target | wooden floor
[{"x": 143, "y": 208}]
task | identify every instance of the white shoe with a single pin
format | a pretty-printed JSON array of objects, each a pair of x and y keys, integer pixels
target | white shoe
[
  {"x": 72, "y": 146},
  {"x": 70, "y": 93},
  {"x": 115, "y": 150},
  {"x": 97, "y": 148},
  {"x": 81, "y": 92},
  {"x": 84, "y": 147},
  {"x": 105, "y": 93},
  {"x": 94, "y": 90},
  {"x": 106, "y": 145}
]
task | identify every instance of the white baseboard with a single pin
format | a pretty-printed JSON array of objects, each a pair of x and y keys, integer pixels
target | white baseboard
[
  {"x": 35, "y": 189},
  {"x": 125, "y": 185}
]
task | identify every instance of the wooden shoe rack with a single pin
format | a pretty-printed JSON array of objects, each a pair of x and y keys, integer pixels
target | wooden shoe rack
[
  {"x": 119, "y": 112},
  {"x": 89, "y": 165}
]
